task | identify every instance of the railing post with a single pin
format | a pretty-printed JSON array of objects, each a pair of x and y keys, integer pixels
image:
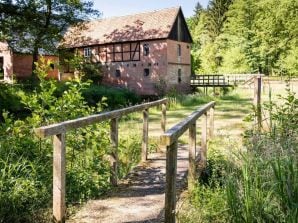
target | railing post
[
  {"x": 163, "y": 117},
  {"x": 192, "y": 157},
  {"x": 59, "y": 178},
  {"x": 114, "y": 152},
  {"x": 145, "y": 135},
  {"x": 211, "y": 122},
  {"x": 171, "y": 171},
  {"x": 257, "y": 99},
  {"x": 203, "y": 152}
]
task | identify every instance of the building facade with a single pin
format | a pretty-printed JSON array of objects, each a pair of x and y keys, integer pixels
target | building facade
[
  {"x": 147, "y": 52},
  {"x": 19, "y": 65}
]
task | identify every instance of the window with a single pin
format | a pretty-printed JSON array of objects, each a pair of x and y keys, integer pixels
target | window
[
  {"x": 179, "y": 76},
  {"x": 1, "y": 67},
  {"x": 52, "y": 66},
  {"x": 146, "y": 72},
  {"x": 179, "y": 50},
  {"x": 87, "y": 52},
  {"x": 146, "y": 49},
  {"x": 118, "y": 73}
]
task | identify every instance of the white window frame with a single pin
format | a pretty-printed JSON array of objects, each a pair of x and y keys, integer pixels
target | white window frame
[{"x": 87, "y": 52}]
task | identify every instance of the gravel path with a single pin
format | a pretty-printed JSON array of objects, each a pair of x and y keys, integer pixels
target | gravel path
[{"x": 139, "y": 197}]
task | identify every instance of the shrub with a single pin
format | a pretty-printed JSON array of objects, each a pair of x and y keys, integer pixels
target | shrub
[{"x": 114, "y": 97}]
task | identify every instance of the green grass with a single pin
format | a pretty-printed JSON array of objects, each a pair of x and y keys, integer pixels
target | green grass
[{"x": 250, "y": 177}]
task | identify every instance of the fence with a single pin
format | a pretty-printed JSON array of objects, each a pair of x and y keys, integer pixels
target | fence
[
  {"x": 170, "y": 139},
  {"x": 58, "y": 131}
]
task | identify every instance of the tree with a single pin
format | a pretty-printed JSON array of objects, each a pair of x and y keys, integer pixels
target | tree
[
  {"x": 36, "y": 26},
  {"x": 217, "y": 16}
]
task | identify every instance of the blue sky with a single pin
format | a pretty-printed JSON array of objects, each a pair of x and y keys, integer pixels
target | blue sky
[{"x": 111, "y": 8}]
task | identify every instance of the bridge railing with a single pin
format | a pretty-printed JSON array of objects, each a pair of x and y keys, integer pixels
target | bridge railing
[
  {"x": 170, "y": 140},
  {"x": 58, "y": 131},
  {"x": 209, "y": 80}
]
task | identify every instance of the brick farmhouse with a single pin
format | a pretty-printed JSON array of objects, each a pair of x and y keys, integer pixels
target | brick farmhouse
[
  {"x": 20, "y": 64},
  {"x": 143, "y": 52}
]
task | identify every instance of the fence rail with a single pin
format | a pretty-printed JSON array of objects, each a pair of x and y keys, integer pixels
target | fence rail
[
  {"x": 170, "y": 140},
  {"x": 58, "y": 131}
]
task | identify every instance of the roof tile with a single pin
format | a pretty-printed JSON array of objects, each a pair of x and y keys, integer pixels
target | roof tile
[{"x": 147, "y": 25}]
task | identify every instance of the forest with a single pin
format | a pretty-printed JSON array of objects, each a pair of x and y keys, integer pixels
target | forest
[{"x": 245, "y": 36}]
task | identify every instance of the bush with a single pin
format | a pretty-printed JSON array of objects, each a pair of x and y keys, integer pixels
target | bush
[{"x": 114, "y": 97}]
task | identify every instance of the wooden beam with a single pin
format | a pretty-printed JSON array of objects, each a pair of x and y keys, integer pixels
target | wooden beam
[
  {"x": 145, "y": 135},
  {"x": 172, "y": 134},
  {"x": 163, "y": 117},
  {"x": 114, "y": 152},
  {"x": 257, "y": 99},
  {"x": 62, "y": 127},
  {"x": 211, "y": 122},
  {"x": 59, "y": 178},
  {"x": 171, "y": 172},
  {"x": 203, "y": 152},
  {"x": 192, "y": 157}
]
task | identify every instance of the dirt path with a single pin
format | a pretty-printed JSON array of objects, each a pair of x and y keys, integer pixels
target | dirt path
[{"x": 139, "y": 197}]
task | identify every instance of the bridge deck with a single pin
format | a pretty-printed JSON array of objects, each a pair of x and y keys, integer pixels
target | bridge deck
[{"x": 139, "y": 197}]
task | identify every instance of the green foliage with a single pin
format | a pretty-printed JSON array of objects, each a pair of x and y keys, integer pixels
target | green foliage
[
  {"x": 114, "y": 97},
  {"x": 26, "y": 161},
  {"x": 9, "y": 100},
  {"x": 34, "y": 26},
  {"x": 266, "y": 190},
  {"x": 246, "y": 36}
]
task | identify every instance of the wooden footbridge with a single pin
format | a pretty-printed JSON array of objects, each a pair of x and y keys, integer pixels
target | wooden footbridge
[
  {"x": 220, "y": 80},
  {"x": 149, "y": 193}
]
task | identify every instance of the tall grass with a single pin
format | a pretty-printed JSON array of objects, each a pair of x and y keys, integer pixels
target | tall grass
[{"x": 260, "y": 181}]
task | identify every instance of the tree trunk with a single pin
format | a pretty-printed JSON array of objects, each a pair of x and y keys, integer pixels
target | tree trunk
[{"x": 34, "y": 59}]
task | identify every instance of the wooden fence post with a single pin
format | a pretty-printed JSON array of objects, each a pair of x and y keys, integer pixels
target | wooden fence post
[
  {"x": 211, "y": 122},
  {"x": 114, "y": 152},
  {"x": 145, "y": 135},
  {"x": 163, "y": 117},
  {"x": 171, "y": 172},
  {"x": 59, "y": 178},
  {"x": 257, "y": 99},
  {"x": 204, "y": 141},
  {"x": 192, "y": 157}
]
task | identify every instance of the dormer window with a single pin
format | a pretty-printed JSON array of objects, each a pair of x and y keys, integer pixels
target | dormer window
[
  {"x": 146, "y": 49},
  {"x": 87, "y": 52}
]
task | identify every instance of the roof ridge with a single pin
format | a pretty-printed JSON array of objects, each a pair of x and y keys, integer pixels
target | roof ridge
[{"x": 134, "y": 14}]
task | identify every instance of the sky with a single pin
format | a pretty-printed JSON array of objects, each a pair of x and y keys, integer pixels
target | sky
[{"x": 111, "y": 8}]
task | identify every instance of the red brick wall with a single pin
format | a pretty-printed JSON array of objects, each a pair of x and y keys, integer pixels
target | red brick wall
[
  {"x": 132, "y": 73},
  {"x": 175, "y": 63},
  {"x": 163, "y": 64},
  {"x": 22, "y": 65}
]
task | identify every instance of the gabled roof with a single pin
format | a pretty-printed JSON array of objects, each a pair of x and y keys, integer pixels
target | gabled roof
[{"x": 142, "y": 26}]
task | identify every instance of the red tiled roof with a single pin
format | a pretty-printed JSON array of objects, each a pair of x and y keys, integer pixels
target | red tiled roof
[{"x": 147, "y": 25}]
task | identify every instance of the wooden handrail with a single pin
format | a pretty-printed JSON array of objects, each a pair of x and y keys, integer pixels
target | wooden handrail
[
  {"x": 170, "y": 140},
  {"x": 59, "y": 130},
  {"x": 173, "y": 133},
  {"x": 65, "y": 126}
]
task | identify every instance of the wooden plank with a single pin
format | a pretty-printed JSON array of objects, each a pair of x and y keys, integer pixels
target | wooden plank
[
  {"x": 211, "y": 122},
  {"x": 163, "y": 117},
  {"x": 145, "y": 135},
  {"x": 173, "y": 134},
  {"x": 59, "y": 128},
  {"x": 192, "y": 157},
  {"x": 171, "y": 172},
  {"x": 59, "y": 178},
  {"x": 257, "y": 99},
  {"x": 114, "y": 152},
  {"x": 203, "y": 151}
]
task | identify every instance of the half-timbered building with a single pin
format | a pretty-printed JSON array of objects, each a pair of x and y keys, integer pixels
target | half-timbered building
[{"x": 147, "y": 52}]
